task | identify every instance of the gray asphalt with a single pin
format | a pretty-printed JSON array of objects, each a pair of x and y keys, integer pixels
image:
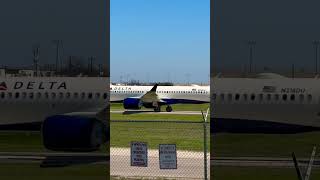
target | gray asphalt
[
  {"x": 261, "y": 162},
  {"x": 152, "y": 112},
  {"x": 53, "y": 159},
  {"x": 190, "y": 165}
]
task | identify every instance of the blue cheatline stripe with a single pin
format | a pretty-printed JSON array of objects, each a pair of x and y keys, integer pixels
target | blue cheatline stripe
[
  {"x": 183, "y": 101},
  {"x": 256, "y": 126},
  {"x": 175, "y": 101}
]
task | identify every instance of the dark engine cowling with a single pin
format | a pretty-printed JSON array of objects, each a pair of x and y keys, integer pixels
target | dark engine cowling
[
  {"x": 73, "y": 133},
  {"x": 131, "y": 103}
]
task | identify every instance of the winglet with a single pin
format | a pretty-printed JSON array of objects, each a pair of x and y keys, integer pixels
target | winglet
[{"x": 154, "y": 88}]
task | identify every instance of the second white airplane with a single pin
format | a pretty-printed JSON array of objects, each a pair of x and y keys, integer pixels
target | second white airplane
[
  {"x": 134, "y": 97},
  {"x": 268, "y": 98}
]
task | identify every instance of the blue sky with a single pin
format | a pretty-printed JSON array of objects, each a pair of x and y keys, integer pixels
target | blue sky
[{"x": 160, "y": 40}]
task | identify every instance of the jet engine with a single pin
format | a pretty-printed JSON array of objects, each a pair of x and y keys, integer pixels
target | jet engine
[
  {"x": 73, "y": 133},
  {"x": 132, "y": 103}
]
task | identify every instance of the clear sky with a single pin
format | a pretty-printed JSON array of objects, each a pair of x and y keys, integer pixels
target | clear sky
[
  {"x": 80, "y": 24},
  {"x": 160, "y": 40},
  {"x": 283, "y": 31}
]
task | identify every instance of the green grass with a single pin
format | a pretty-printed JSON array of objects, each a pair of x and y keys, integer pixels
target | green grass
[
  {"x": 165, "y": 117},
  {"x": 270, "y": 145},
  {"x": 176, "y": 107},
  {"x": 261, "y": 173},
  {"x": 32, "y": 171},
  {"x": 187, "y": 136},
  {"x": 24, "y": 141}
]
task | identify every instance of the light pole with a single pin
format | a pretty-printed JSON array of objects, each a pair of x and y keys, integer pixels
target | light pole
[
  {"x": 251, "y": 44},
  {"x": 316, "y": 49}
]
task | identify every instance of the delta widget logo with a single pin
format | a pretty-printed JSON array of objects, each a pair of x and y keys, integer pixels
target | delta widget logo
[{"x": 3, "y": 86}]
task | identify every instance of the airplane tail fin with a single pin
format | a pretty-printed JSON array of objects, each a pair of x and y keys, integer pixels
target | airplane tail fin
[{"x": 154, "y": 88}]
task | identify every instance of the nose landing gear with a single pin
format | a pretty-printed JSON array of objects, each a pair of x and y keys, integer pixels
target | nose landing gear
[
  {"x": 157, "y": 109},
  {"x": 168, "y": 108}
]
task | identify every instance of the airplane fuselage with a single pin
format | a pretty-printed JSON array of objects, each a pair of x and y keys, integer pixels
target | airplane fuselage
[
  {"x": 171, "y": 94},
  {"x": 283, "y": 100},
  {"x": 28, "y": 100}
]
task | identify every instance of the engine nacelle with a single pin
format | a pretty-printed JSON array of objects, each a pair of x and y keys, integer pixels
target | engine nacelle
[
  {"x": 73, "y": 133},
  {"x": 132, "y": 103}
]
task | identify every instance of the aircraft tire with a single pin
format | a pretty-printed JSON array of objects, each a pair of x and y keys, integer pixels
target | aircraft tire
[{"x": 168, "y": 108}]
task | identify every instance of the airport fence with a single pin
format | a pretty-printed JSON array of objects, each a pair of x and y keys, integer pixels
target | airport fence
[{"x": 154, "y": 149}]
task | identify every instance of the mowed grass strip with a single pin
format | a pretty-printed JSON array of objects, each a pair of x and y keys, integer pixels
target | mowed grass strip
[
  {"x": 23, "y": 171},
  {"x": 254, "y": 173},
  {"x": 157, "y": 117},
  {"x": 266, "y": 145},
  {"x": 187, "y": 136},
  {"x": 176, "y": 107}
]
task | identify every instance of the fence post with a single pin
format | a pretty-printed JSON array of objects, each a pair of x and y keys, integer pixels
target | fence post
[{"x": 205, "y": 144}]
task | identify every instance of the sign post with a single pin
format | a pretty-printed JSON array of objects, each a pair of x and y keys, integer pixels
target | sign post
[
  {"x": 139, "y": 154},
  {"x": 168, "y": 156}
]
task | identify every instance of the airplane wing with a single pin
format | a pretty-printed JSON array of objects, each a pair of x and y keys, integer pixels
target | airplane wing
[
  {"x": 101, "y": 115},
  {"x": 151, "y": 96}
]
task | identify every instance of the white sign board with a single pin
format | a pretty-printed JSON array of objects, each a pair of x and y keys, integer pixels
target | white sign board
[
  {"x": 167, "y": 156},
  {"x": 139, "y": 154}
]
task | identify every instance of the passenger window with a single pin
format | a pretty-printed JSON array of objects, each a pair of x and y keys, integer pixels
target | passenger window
[
  {"x": 222, "y": 97},
  {"x": 105, "y": 95},
  {"x": 60, "y": 95},
  {"x": 301, "y": 97},
  {"x": 10, "y": 95},
  {"x": 75, "y": 95},
  {"x": 17, "y": 95},
  {"x": 31, "y": 95},
  {"x": 309, "y": 97},
  {"x": 24, "y": 95},
  {"x": 214, "y": 96},
  {"x": 237, "y": 97},
  {"x": 53, "y": 95},
  {"x": 46, "y": 94},
  {"x": 38, "y": 95},
  {"x": 90, "y": 95},
  {"x": 268, "y": 97},
  {"x": 292, "y": 97},
  {"x": 3, "y": 95},
  {"x": 83, "y": 95},
  {"x": 284, "y": 97},
  {"x": 68, "y": 95},
  {"x": 245, "y": 97},
  {"x": 253, "y": 97}
]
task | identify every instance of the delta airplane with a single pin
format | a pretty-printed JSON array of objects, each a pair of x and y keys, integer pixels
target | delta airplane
[
  {"x": 266, "y": 99},
  {"x": 134, "y": 97},
  {"x": 72, "y": 109}
]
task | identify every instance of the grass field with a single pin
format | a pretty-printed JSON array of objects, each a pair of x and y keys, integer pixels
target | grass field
[
  {"x": 269, "y": 145},
  {"x": 23, "y": 141},
  {"x": 157, "y": 117},
  {"x": 22, "y": 171},
  {"x": 176, "y": 107},
  {"x": 187, "y": 136}
]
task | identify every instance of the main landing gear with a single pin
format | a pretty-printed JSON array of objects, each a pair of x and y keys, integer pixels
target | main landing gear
[
  {"x": 168, "y": 108},
  {"x": 158, "y": 109}
]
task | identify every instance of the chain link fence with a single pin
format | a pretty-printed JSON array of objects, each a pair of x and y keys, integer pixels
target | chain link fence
[{"x": 187, "y": 136}]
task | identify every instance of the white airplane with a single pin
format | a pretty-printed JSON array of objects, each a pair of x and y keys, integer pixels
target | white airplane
[
  {"x": 134, "y": 97},
  {"x": 268, "y": 98},
  {"x": 71, "y": 109}
]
